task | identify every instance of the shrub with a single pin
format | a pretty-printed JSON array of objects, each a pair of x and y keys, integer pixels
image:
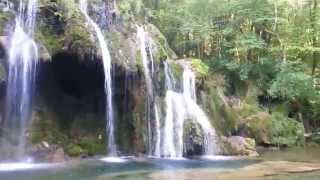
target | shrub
[{"x": 286, "y": 131}]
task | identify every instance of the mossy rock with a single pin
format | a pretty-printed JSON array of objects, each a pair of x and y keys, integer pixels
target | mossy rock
[
  {"x": 75, "y": 150},
  {"x": 62, "y": 27},
  {"x": 193, "y": 139},
  {"x": 237, "y": 145},
  {"x": 257, "y": 126},
  {"x": 177, "y": 70},
  {"x": 200, "y": 67},
  {"x": 163, "y": 49},
  {"x": 5, "y": 18},
  {"x": 92, "y": 146}
]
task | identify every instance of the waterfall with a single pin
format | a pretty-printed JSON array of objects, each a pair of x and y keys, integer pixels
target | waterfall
[
  {"x": 180, "y": 107},
  {"x": 23, "y": 56},
  {"x": 158, "y": 131},
  {"x": 111, "y": 146},
  {"x": 152, "y": 106}
]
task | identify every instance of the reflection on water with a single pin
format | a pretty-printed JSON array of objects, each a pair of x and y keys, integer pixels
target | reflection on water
[
  {"x": 302, "y": 176},
  {"x": 95, "y": 169},
  {"x": 295, "y": 154},
  {"x": 159, "y": 169}
]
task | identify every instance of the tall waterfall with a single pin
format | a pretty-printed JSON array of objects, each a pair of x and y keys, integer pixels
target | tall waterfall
[
  {"x": 180, "y": 107},
  {"x": 152, "y": 106},
  {"x": 23, "y": 56},
  {"x": 111, "y": 147}
]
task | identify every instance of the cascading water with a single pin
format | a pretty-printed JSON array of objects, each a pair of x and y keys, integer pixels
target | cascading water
[
  {"x": 23, "y": 56},
  {"x": 152, "y": 105},
  {"x": 182, "y": 106},
  {"x": 112, "y": 149}
]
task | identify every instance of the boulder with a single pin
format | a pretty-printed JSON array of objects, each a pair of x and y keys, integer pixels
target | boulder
[
  {"x": 257, "y": 126},
  {"x": 193, "y": 139},
  {"x": 239, "y": 146},
  {"x": 45, "y": 152}
]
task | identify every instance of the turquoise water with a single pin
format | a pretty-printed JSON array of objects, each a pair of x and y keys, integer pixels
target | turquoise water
[
  {"x": 132, "y": 169},
  {"x": 157, "y": 169}
]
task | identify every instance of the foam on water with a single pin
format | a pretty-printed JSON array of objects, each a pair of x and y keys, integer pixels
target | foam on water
[
  {"x": 221, "y": 158},
  {"x": 23, "y": 166},
  {"x": 114, "y": 159}
]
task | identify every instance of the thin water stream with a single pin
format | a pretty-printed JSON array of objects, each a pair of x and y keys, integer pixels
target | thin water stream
[{"x": 111, "y": 144}]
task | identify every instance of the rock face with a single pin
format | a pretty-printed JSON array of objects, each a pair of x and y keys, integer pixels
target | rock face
[
  {"x": 44, "y": 152},
  {"x": 237, "y": 145}
]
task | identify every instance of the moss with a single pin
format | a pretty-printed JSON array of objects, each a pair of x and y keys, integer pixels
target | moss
[
  {"x": 52, "y": 42},
  {"x": 200, "y": 67},
  {"x": 3, "y": 73},
  {"x": 75, "y": 150},
  {"x": 257, "y": 126},
  {"x": 45, "y": 129},
  {"x": 222, "y": 116},
  {"x": 248, "y": 110},
  {"x": 92, "y": 146},
  {"x": 62, "y": 27},
  {"x": 229, "y": 118},
  {"x": 163, "y": 49},
  {"x": 139, "y": 62},
  {"x": 177, "y": 70},
  {"x": 5, "y": 17},
  {"x": 193, "y": 138}
]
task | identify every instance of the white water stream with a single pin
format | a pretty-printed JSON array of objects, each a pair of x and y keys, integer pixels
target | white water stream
[
  {"x": 23, "y": 56},
  {"x": 181, "y": 107},
  {"x": 111, "y": 146}
]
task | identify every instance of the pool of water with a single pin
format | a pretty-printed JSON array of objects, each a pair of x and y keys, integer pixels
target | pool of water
[
  {"x": 299, "y": 154},
  {"x": 162, "y": 169},
  {"x": 130, "y": 169}
]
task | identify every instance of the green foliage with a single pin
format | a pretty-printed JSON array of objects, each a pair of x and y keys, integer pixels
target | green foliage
[
  {"x": 200, "y": 67},
  {"x": 293, "y": 83},
  {"x": 92, "y": 145},
  {"x": 61, "y": 25},
  {"x": 75, "y": 150},
  {"x": 177, "y": 70},
  {"x": 286, "y": 131}
]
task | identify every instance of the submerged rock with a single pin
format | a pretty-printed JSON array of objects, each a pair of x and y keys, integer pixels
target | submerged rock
[{"x": 259, "y": 171}]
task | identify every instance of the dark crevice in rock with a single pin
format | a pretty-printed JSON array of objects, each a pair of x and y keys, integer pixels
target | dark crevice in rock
[
  {"x": 71, "y": 87},
  {"x": 70, "y": 104}
]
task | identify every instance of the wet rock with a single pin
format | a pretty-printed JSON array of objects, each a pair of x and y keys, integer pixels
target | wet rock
[
  {"x": 58, "y": 156},
  {"x": 40, "y": 151},
  {"x": 193, "y": 139},
  {"x": 43, "y": 53},
  {"x": 237, "y": 145},
  {"x": 45, "y": 152}
]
